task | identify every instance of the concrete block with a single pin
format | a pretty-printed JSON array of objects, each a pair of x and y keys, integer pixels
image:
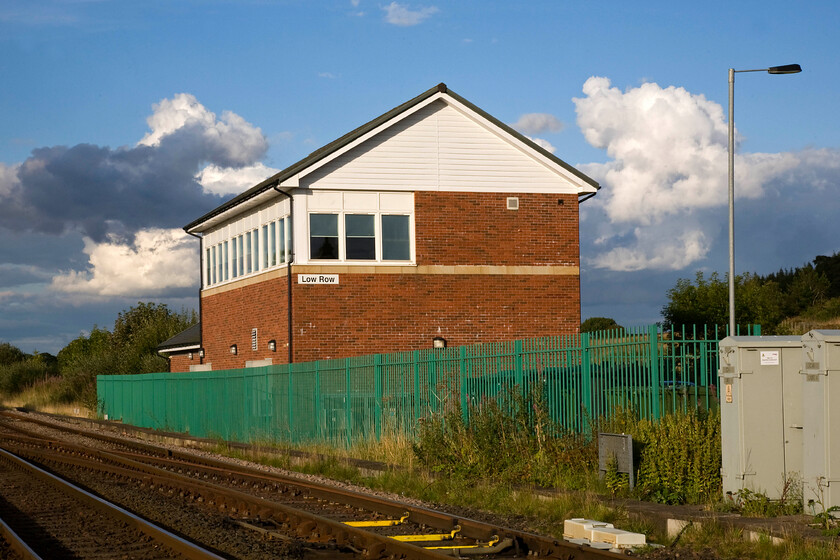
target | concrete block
[
  {"x": 618, "y": 538},
  {"x": 580, "y": 528}
]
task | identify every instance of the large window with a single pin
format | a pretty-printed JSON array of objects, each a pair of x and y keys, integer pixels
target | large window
[
  {"x": 323, "y": 236},
  {"x": 359, "y": 237},
  {"x": 396, "y": 242}
]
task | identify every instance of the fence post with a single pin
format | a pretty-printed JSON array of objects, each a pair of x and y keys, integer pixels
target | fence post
[
  {"x": 348, "y": 412},
  {"x": 655, "y": 373},
  {"x": 377, "y": 395},
  {"x": 517, "y": 364},
  {"x": 416, "y": 359},
  {"x": 289, "y": 401},
  {"x": 319, "y": 428},
  {"x": 586, "y": 381},
  {"x": 463, "y": 373}
]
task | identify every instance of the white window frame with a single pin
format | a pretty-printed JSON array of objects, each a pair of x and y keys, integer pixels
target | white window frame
[{"x": 342, "y": 238}]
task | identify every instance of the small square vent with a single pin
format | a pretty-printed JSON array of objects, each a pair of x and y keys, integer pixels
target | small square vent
[{"x": 513, "y": 203}]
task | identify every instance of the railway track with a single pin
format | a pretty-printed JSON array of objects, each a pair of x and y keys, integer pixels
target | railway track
[
  {"x": 283, "y": 507},
  {"x": 48, "y": 517}
]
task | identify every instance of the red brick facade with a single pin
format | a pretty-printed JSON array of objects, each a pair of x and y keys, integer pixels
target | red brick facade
[{"x": 381, "y": 312}]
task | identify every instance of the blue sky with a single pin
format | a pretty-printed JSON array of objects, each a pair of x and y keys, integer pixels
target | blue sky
[{"x": 112, "y": 111}]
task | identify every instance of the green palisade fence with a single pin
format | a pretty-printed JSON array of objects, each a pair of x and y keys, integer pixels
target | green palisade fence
[{"x": 579, "y": 378}]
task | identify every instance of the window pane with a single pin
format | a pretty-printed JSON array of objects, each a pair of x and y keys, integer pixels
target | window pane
[
  {"x": 272, "y": 237},
  {"x": 265, "y": 246},
  {"x": 241, "y": 256},
  {"x": 248, "y": 259},
  {"x": 396, "y": 245},
  {"x": 225, "y": 266},
  {"x": 360, "y": 242},
  {"x": 219, "y": 262},
  {"x": 359, "y": 225},
  {"x": 282, "y": 242},
  {"x": 323, "y": 225},
  {"x": 323, "y": 236},
  {"x": 234, "y": 262},
  {"x": 208, "y": 265},
  {"x": 255, "y": 241}
]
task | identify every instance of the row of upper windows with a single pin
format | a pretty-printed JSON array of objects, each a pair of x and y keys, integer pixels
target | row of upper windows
[
  {"x": 250, "y": 252},
  {"x": 332, "y": 237}
]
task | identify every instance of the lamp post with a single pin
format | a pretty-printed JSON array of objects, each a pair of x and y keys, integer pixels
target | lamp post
[{"x": 786, "y": 69}]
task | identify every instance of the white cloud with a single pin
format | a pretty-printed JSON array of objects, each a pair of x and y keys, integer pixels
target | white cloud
[
  {"x": 8, "y": 179},
  {"x": 231, "y": 136},
  {"x": 544, "y": 144},
  {"x": 402, "y": 15},
  {"x": 538, "y": 123},
  {"x": 655, "y": 250},
  {"x": 158, "y": 261},
  {"x": 668, "y": 151},
  {"x": 231, "y": 180},
  {"x": 327, "y": 75}
]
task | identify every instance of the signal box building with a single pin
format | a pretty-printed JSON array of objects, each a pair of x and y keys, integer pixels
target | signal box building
[{"x": 433, "y": 224}]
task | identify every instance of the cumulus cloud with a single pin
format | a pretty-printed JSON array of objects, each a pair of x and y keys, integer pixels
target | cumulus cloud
[
  {"x": 544, "y": 144},
  {"x": 8, "y": 179},
  {"x": 98, "y": 190},
  {"x": 538, "y": 123},
  {"x": 402, "y": 15},
  {"x": 230, "y": 180},
  {"x": 666, "y": 180},
  {"x": 154, "y": 263}
]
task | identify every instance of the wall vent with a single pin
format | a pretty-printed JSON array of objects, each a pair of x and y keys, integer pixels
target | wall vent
[
  {"x": 513, "y": 203},
  {"x": 254, "y": 339}
]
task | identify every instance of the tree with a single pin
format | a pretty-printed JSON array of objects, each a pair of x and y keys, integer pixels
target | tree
[
  {"x": 706, "y": 302},
  {"x": 830, "y": 267},
  {"x": 599, "y": 324},
  {"x": 139, "y": 330},
  {"x": 10, "y": 354}
]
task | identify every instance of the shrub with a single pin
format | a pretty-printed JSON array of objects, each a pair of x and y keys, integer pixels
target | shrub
[
  {"x": 17, "y": 376},
  {"x": 508, "y": 439}
]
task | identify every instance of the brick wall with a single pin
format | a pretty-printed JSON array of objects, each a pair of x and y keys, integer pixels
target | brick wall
[
  {"x": 182, "y": 362},
  {"x": 477, "y": 228},
  {"x": 375, "y": 312}
]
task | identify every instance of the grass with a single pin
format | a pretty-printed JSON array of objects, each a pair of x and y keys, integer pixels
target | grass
[{"x": 41, "y": 396}]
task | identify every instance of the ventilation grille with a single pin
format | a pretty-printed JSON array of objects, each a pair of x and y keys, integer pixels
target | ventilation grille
[
  {"x": 254, "y": 339},
  {"x": 513, "y": 203}
]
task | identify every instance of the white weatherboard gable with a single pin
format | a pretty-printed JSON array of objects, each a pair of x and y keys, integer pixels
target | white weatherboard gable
[{"x": 442, "y": 146}]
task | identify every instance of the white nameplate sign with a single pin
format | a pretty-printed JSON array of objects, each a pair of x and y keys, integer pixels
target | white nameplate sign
[{"x": 317, "y": 278}]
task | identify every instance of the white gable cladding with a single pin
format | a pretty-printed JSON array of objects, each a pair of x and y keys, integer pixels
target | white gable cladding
[{"x": 439, "y": 147}]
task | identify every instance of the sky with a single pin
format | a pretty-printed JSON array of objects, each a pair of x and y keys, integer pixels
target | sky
[{"x": 123, "y": 120}]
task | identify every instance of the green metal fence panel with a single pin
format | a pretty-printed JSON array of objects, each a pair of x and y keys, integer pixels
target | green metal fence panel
[{"x": 576, "y": 380}]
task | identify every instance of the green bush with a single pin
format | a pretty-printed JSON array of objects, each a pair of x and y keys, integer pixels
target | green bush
[
  {"x": 509, "y": 439},
  {"x": 680, "y": 455},
  {"x": 17, "y": 376}
]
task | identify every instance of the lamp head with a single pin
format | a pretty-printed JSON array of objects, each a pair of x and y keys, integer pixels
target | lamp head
[{"x": 786, "y": 69}]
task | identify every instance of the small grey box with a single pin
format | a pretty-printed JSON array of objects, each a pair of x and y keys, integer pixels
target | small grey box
[{"x": 619, "y": 446}]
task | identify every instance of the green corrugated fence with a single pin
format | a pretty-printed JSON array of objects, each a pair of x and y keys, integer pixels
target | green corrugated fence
[{"x": 651, "y": 370}]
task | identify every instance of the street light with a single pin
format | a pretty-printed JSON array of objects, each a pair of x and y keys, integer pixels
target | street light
[{"x": 786, "y": 69}]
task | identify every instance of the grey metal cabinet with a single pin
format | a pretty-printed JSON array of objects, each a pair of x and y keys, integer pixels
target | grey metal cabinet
[
  {"x": 821, "y": 418},
  {"x": 761, "y": 413}
]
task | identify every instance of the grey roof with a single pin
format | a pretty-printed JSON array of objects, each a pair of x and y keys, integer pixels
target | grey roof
[
  {"x": 186, "y": 339},
  {"x": 320, "y": 153}
]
